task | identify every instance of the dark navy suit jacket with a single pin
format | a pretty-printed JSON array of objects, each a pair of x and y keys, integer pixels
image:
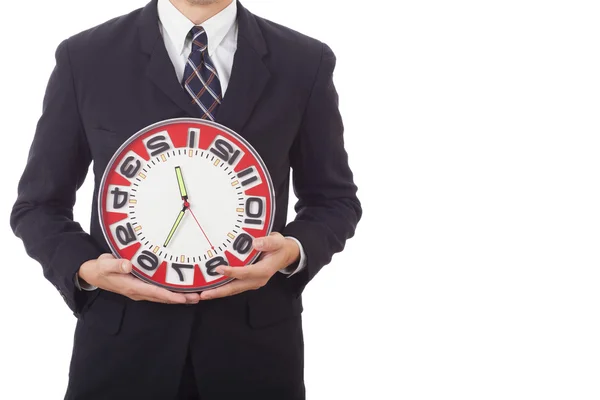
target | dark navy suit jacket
[{"x": 113, "y": 80}]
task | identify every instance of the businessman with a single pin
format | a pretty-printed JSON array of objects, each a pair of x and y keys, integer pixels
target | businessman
[{"x": 210, "y": 59}]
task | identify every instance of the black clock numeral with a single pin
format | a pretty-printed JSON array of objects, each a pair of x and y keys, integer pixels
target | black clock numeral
[
  {"x": 233, "y": 157},
  {"x": 178, "y": 267},
  {"x": 248, "y": 176},
  {"x": 128, "y": 169},
  {"x": 243, "y": 243},
  {"x": 125, "y": 234},
  {"x": 214, "y": 263},
  {"x": 225, "y": 151},
  {"x": 254, "y": 210},
  {"x": 148, "y": 260},
  {"x": 119, "y": 197},
  {"x": 158, "y": 144},
  {"x": 193, "y": 137}
]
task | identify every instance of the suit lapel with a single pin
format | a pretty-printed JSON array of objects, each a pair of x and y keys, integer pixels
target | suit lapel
[
  {"x": 249, "y": 74},
  {"x": 160, "y": 69},
  {"x": 248, "y": 79}
]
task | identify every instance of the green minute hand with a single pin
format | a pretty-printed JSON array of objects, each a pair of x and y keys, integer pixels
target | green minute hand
[
  {"x": 181, "y": 183},
  {"x": 175, "y": 225}
]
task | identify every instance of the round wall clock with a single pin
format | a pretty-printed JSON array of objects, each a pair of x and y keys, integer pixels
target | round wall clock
[{"x": 183, "y": 196}]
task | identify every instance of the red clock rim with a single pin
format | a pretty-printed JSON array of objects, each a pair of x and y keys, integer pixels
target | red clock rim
[{"x": 115, "y": 156}]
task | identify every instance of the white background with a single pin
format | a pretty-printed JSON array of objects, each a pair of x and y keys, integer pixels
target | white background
[{"x": 473, "y": 132}]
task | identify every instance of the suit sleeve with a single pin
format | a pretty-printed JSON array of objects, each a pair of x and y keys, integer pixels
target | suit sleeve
[
  {"x": 328, "y": 209},
  {"x": 57, "y": 165}
]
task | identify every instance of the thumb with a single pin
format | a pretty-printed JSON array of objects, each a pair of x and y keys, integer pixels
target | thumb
[
  {"x": 117, "y": 266},
  {"x": 269, "y": 243}
]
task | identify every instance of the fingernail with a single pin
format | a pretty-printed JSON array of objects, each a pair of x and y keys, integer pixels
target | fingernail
[
  {"x": 220, "y": 270},
  {"x": 258, "y": 242}
]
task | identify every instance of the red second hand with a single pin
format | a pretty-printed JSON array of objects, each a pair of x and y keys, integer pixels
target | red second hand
[{"x": 191, "y": 212}]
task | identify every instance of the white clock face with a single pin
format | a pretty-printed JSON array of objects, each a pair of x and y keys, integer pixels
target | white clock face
[{"x": 182, "y": 197}]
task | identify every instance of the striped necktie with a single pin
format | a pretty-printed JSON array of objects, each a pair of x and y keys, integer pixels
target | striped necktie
[{"x": 200, "y": 78}]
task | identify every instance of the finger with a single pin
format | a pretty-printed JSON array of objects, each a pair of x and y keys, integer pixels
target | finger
[
  {"x": 139, "y": 290},
  {"x": 115, "y": 266},
  {"x": 266, "y": 266},
  {"x": 166, "y": 295},
  {"x": 247, "y": 272},
  {"x": 152, "y": 299},
  {"x": 272, "y": 242},
  {"x": 192, "y": 298},
  {"x": 230, "y": 289},
  {"x": 154, "y": 293},
  {"x": 126, "y": 266},
  {"x": 106, "y": 256}
]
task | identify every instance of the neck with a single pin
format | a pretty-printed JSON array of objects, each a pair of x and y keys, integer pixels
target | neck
[{"x": 199, "y": 11}]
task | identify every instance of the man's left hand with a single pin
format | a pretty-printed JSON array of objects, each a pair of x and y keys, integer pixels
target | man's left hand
[{"x": 277, "y": 253}]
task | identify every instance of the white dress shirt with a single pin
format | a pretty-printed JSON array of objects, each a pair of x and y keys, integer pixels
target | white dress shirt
[{"x": 222, "y": 33}]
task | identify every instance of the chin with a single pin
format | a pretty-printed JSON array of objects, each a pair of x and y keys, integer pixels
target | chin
[{"x": 201, "y": 2}]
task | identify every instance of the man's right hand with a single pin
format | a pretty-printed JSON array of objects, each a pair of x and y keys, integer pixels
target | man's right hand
[{"x": 113, "y": 274}]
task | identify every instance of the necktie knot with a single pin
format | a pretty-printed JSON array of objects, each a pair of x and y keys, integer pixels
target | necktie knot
[{"x": 199, "y": 38}]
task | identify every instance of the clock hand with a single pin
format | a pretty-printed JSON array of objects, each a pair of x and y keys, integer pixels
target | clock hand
[
  {"x": 183, "y": 192},
  {"x": 207, "y": 239},
  {"x": 182, "y": 189},
  {"x": 186, "y": 205},
  {"x": 176, "y": 224}
]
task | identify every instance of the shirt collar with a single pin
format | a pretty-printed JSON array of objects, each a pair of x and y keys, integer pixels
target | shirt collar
[{"x": 177, "y": 26}]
